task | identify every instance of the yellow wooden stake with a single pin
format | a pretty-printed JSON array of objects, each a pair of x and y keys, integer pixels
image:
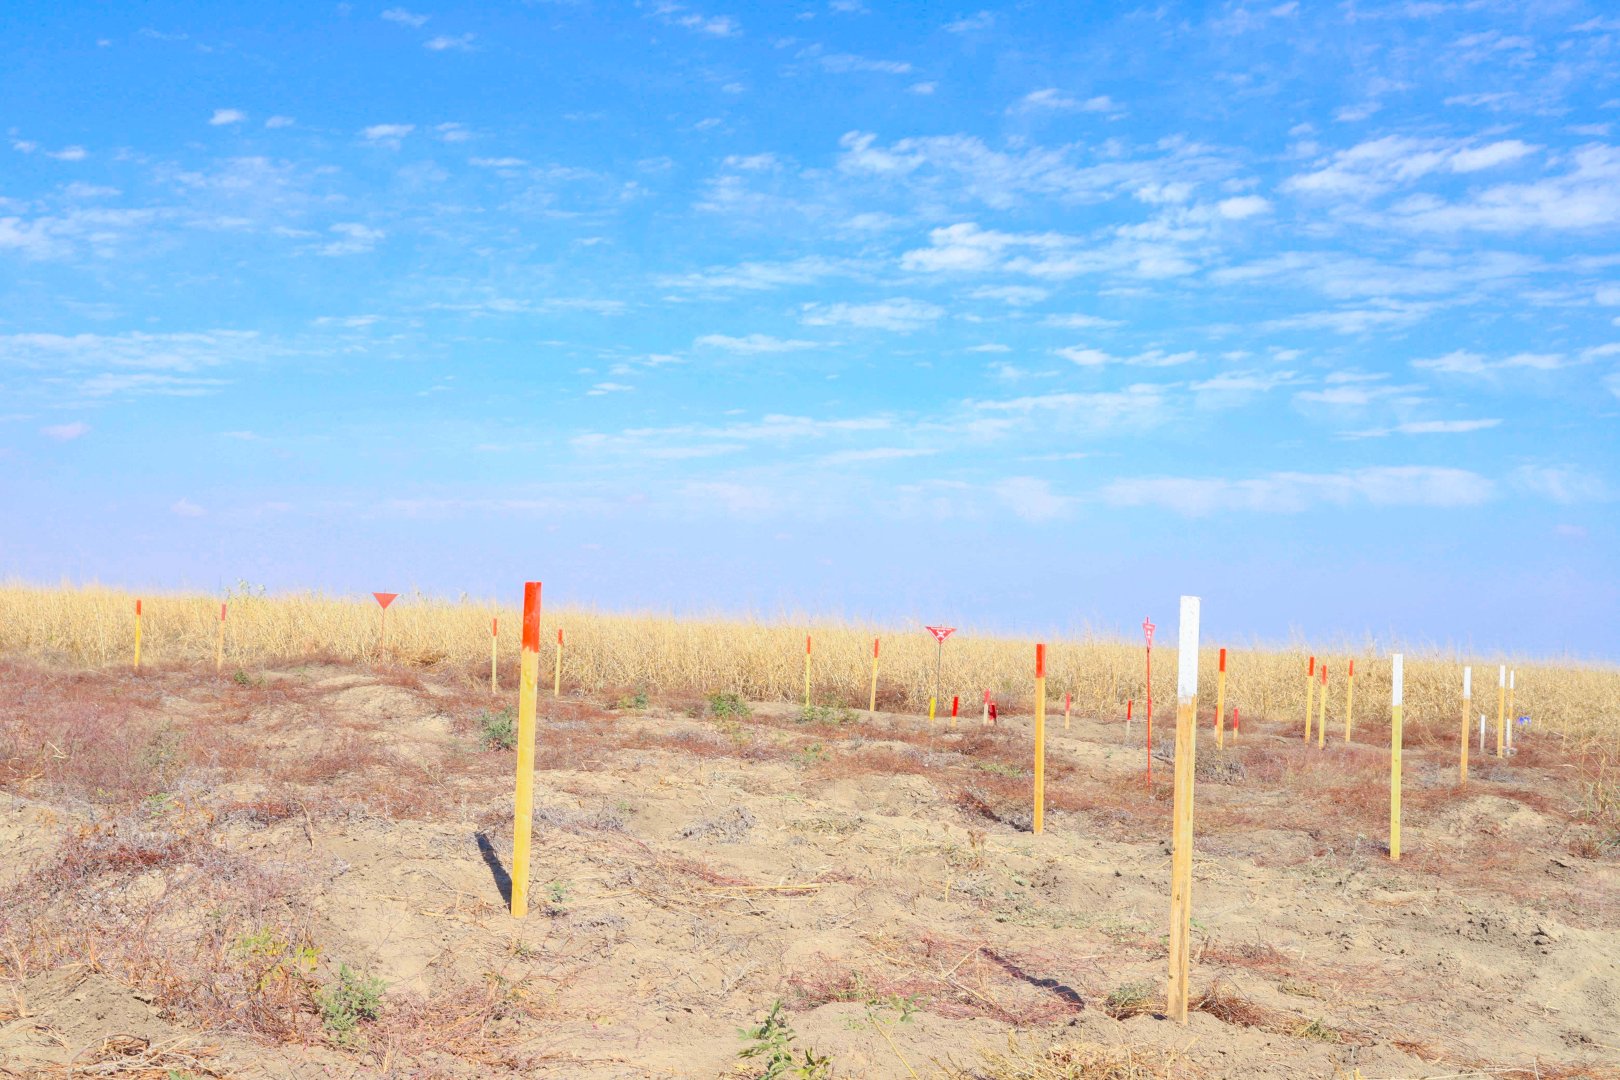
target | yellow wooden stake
[
  {"x": 1321, "y": 715},
  {"x": 494, "y": 654},
  {"x": 1395, "y": 740},
  {"x": 807, "y": 671},
  {"x": 137, "y": 635},
  {"x": 219, "y": 644},
  {"x": 1467, "y": 711},
  {"x": 523, "y": 810},
  {"x": 556, "y": 671},
  {"x": 1513, "y": 677},
  {"x": 1501, "y": 708},
  {"x": 1310, "y": 689},
  {"x": 1182, "y": 811},
  {"x": 1040, "y": 739},
  {"x": 871, "y": 701},
  {"x": 931, "y": 703},
  {"x": 1220, "y": 703},
  {"x": 1349, "y": 699}
]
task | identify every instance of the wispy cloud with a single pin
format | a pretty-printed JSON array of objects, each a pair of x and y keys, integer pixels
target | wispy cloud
[
  {"x": 66, "y": 432},
  {"x": 1295, "y": 492},
  {"x": 227, "y": 116},
  {"x": 901, "y": 315},
  {"x": 755, "y": 343},
  {"x": 405, "y": 18}
]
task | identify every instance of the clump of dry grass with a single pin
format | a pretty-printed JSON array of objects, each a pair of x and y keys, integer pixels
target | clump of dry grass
[
  {"x": 1076, "y": 1060},
  {"x": 762, "y": 661}
]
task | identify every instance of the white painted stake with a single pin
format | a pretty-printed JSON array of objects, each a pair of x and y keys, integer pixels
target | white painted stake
[
  {"x": 1181, "y": 814},
  {"x": 1482, "y": 733}
]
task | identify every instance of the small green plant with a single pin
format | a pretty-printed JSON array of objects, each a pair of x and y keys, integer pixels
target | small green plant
[
  {"x": 348, "y": 1001},
  {"x": 242, "y": 678},
  {"x": 772, "y": 1042},
  {"x": 727, "y": 705},
  {"x": 1000, "y": 769},
  {"x": 556, "y": 897},
  {"x": 632, "y": 702},
  {"x": 1131, "y": 999},
  {"x": 1318, "y": 1031},
  {"x": 813, "y": 754},
  {"x": 274, "y": 958},
  {"x": 497, "y": 730}
]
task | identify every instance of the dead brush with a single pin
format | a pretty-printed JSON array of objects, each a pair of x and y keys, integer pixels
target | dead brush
[{"x": 1072, "y": 1060}]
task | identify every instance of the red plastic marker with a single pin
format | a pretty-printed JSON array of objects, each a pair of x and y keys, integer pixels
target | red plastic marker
[
  {"x": 137, "y": 607},
  {"x": 1223, "y": 659},
  {"x": 955, "y": 701},
  {"x": 222, "y": 613},
  {"x": 385, "y": 598},
  {"x": 1236, "y": 723}
]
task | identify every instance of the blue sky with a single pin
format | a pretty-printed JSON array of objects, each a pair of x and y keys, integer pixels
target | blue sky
[{"x": 1025, "y": 317}]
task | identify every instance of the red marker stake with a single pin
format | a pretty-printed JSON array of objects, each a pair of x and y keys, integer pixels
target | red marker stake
[
  {"x": 986, "y": 721},
  {"x": 955, "y": 701},
  {"x": 1066, "y": 711},
  {"x": 1236, "y": 725},
  {"x": 383, "y": 600},
  {"x": 1128, "y": 703}
]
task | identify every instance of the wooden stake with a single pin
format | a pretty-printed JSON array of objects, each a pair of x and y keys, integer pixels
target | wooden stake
[
  {"x": 1182, "y": 811},
  {"x": 986, "y": 722},
  {"x": 1501, "y": 709},
  {"x": 1395, "y": 740},
  {"x": 807, "y": 671},
  {"x": 1321, "y": 715},
  {"x": 556, "y": 671},
  {"x": 1467, "y": 709},
  {"x": 1512, "y": 719},
  {"x": 871, "y": 700},
  {"x": 1349, "y": 699},
  {"x": 1220, "y": 703},
  {"x": 1237, "y": 724},
  {"x": 528, "y": 691},
  {"x": 1310, "y": 688},
  {"x": 1128, "y": 703},
  {"x": 219, "y": 644},
  {"x": 956, "y": 703},
  {"x": 1040, "y": 738},
  {"x": 494, "y": 654},
  {"x": 137, "y": 635},
  {"x": 1066, "y": 711},
  {"x": 930, "y": 712}
]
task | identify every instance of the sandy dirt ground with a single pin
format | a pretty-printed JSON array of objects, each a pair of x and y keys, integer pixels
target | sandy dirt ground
[{"x": 188, "y": 861}]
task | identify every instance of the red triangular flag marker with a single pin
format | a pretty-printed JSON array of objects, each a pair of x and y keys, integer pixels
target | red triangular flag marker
[{"x": 385, "y": 598}]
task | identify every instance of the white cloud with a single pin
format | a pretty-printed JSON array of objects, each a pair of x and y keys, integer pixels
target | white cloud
[
  {"x": 1585, "y": 197},
  {"x": 1086, "y": 357},
  {"x": 66, "y": 432},
  {"x": 901, "y": 314},
  {"x": 1241, "y": 207},
  {"x": 354, "y": 239},
  {"x": 1380, "y": 165},
  {"x": 227, "y": 116},
  {"x": 755, "y": 343},
  {"x": 1056, "y": 100},
  {"x": 608, "y": 388},
  {"x": 844, "y": 63},
  {"x": 444, "y": 42},
  {"x": 1384, "y": 315},
  {"x": 876, "y": 454},
  {"x": 496, "y": 163},
  {"x": 279, "y": 122},
  {"x": 1560, "y": 484},
  {"x": 923, "y": 88},
  {"x": 1463, "y": 362},
  {"x": 387, "y": 134},
  {"x": 1013, "y": 295},
  {"x": 1429, "y": 427},
  {"x": 405, "y": 18},
  {"x": 1079, "y": 322},
  {"x": 187, "y": 509},
  {"x": 761, "y": 276},
  {"x": 1293, "y": 492},
  {"x": 713, "y": 25},
  {"x": 68, "y": 153}
]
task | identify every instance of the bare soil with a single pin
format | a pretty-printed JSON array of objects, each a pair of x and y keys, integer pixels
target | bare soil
[{"x": 189, "y": 861}]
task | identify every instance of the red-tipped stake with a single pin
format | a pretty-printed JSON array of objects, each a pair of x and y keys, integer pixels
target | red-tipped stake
[
  {"x": 986, "y": 722},
  {"x": 1040, "y": 739}
]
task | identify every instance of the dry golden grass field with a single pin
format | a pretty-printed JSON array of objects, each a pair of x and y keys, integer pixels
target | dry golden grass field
[{"x": 298, "y": 865}]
